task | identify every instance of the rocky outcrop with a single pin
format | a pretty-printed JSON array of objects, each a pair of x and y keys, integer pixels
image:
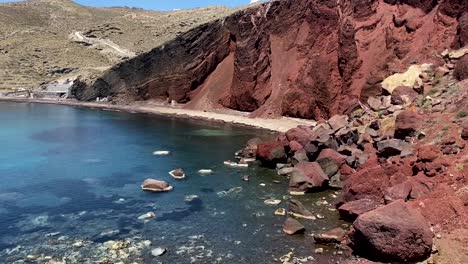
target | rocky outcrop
[
  {"x": 461, "y": 69},
  {"x": 308, "y": 176},
  {"x": 301, "y": 58},
  {"x": 271, "y": 152},
  {"x": 395, "y": 232}
]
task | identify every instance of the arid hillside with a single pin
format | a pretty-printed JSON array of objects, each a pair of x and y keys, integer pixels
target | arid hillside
[{"x": 37, "y": 45}]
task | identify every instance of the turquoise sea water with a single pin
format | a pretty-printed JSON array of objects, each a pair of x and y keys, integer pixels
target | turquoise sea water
[{"x": 72, "y": 174}]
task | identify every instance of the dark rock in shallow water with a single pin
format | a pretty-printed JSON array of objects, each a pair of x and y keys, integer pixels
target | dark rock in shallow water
[
  {"x": 394, "y": 232},
  {"x": 297, "y": 209},
  {"x": 308, "y": 176},
  {"x": 351, "y": 210},
  {"x": 292, "y": 226},
  {"x": 271, "y": 152},
  {"x": 250, "y": 149},
  {"x": 333, "y": 236}
]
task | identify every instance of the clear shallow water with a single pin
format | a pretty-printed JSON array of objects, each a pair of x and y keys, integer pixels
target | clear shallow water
[{"x": 77, "y": 172}]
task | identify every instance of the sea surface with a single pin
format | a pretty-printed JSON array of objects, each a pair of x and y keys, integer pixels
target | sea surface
[{"x": 70, "y": 182}]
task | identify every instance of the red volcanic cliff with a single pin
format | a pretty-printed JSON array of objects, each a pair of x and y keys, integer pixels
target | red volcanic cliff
[{"x": 301, "y": 58}]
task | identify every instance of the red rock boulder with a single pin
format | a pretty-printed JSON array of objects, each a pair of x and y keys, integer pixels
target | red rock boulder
[
  {"x": 428, "y": 153},
  {"x": 399, "y": 191},
  {"x": 271, "y": 152},
  {"x": 461, "y": 69},
  {"x": 351, "y": 210},
  {"x": 367, "y": 183},
  {"x": 407, "y": 123},
  {"x": 330, "y": 161},
  {"x": 301, "y": 134},
  {"x": 308, "y": 176},
  {"x": 395, "y": 232},
  {"x": 403, "y": 95},
  {"x": 464, "y": 133}
]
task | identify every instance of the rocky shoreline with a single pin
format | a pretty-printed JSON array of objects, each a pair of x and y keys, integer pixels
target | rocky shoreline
[{"x": 399, "y": 161}]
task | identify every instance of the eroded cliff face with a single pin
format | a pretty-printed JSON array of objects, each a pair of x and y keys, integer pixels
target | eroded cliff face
[{"x": 300, "y": 58}]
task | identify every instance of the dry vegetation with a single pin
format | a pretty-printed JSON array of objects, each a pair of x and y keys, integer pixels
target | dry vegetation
[{"x": 35, "y": 46}]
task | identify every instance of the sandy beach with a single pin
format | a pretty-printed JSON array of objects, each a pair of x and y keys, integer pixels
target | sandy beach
[{"x": 234, "y": 117}]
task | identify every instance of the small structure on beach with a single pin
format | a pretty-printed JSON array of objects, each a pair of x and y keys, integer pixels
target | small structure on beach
[{"x": 55, "y": 90}]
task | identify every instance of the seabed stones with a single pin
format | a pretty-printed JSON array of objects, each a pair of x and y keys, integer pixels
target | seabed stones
[
  {"x": 161, "y": 153},
  {"x": 147, "y": 216},
  {"x": 235, "y": 164},
  {"x": 280, "y": 212},
  {"x": 190, "y": 198},
  {"x": 205, "y": 171},
  {"x": 158, "y": 251},
  {"x": 272, "y": 202}
]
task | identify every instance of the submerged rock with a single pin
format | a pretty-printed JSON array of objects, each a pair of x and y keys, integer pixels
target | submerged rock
[
  {"x": 235, "y": 164},
  {"x": 158, "y": 251},
  {"x": 205, "y": 171},
  {"x": 297, "y": 209},
  {"x": 161, "y": 152},
  {"x": 190, "y": 198},
  {"x": 153, "y": 185},
  {"x": 272, "y": 202},
  {"x": 292, "y": 226},
  {"x": 395, "y": 232},
  {"x": 147, "y": 216},
  {"x": 233, "y": 190},
  {"x": 333, "y": 236}
]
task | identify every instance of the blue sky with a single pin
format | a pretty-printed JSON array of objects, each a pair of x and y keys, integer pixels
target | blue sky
[{"x": 159, "y": 4}]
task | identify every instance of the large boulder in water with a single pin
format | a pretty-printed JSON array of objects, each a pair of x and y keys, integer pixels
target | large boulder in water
[
  {"x": 395, "y": 232},
  {"x": 308, "y": 176},
  {"x": 153, "y": 185},
  {"x": 271, "y": 152}
]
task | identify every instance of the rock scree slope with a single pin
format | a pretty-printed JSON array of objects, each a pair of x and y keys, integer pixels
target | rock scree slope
[{"x": 299, "y": 58}]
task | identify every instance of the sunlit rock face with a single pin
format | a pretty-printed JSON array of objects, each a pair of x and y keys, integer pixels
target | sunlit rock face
[{"x": 300, "y": 58}]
